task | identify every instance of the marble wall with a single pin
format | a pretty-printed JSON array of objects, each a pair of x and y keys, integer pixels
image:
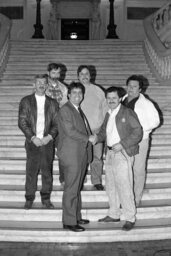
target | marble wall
[{"x": 127, "y": 29}]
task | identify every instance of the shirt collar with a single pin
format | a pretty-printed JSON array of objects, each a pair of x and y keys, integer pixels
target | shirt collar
[{"x": 115, "y": 111}]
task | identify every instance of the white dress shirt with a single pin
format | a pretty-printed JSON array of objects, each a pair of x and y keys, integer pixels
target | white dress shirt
[
  {"x": 111, "y": 129},
  {"x": 40, "y": 126}
]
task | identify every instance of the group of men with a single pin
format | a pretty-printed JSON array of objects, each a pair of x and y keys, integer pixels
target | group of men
[{"x": 80, "y": 120}]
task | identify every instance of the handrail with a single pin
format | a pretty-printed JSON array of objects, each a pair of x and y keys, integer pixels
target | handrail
[
  {"x": 5, "y": 29},
  {"x": 156, "y": 44}
]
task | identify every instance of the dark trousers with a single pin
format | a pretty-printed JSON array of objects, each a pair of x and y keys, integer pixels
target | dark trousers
[
  {"x": 74, "y": 175},
  {"x": 39, "y": 159}
]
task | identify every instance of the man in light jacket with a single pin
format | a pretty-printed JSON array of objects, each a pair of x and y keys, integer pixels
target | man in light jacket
[{"x": 149, "y": 119}]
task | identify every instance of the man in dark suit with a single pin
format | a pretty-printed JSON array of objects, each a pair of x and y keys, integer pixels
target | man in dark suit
[
  {"x": 38, "y": 121},
  {"x": 74, "y": 152}
]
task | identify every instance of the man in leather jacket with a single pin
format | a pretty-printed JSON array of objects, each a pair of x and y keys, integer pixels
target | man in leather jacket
[{"x": 38, "y": 121}]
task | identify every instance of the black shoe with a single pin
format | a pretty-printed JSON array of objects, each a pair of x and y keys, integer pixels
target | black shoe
[
  {"x": 128, "y": 225},
  {"x": 28, "y": 204},
  {"x": 75, "y": 228},
  {"x": 47, "y": 204},
  {"x": 108, "y": 219},
  {"x": 83, "y": 221},
  {"x": 99, "y": 186}
]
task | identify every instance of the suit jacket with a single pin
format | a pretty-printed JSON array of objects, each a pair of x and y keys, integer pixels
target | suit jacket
[
  {"x": 27, "y": 117},
  {"x": 73, "y": 135},
  {"x": 129, "y": 130}
]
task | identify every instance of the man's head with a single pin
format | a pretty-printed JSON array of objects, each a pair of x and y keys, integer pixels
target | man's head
[
  {"x": 40, "y": 84},
  {"x": 83, "y": 73},
  {"x": 76, "y": 93},
  {"x": 134, "y": 86},
  {"x": 113, "y": 97},
  {"x": 54, "y": 71}
]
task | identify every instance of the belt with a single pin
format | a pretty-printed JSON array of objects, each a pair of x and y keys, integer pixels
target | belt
[{"x": 110, "y": 148}]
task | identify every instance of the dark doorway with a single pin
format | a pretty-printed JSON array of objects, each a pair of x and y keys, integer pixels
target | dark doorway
[{"x": 74, "y": 29}]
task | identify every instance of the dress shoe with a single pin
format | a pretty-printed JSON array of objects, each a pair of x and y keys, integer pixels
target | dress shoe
[
  {"x": 83, "y": 221},
  {"x": 47, "y": 204},
  {"x": 28, "y": 204},
  {"x": 128, "y": 225},
  {"x": 108, "y": 219},
  {"x": 99, "y": 186},
  {"x": 75, "y": 228}
]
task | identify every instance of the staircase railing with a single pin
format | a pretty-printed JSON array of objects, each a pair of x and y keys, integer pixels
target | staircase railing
[
  {"x": 5, "y": 28},
  {"x": 158, "y": 42}
]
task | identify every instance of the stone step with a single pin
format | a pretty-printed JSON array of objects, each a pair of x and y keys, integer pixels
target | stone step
[
  {"x": 118, "y": 75},
  {"x": 14, "y": 130},
  {"x": 28, "y": 83},
  {"x": 42, "y": 215},
  {"x": 95, "y": 232},
  {"x": 17, "y": 164},
  {"x": 18, "y": 141},
  {"x": 19, "y": 152},
  {"x": 94, "y": 197},
  {"x": 70, "y": 68},
  {"x": 66, "y": 52},
  {"x": 26, "y": 73},
  {"x": 77, "y": 44},
  {"x": 17, "y": 181}
]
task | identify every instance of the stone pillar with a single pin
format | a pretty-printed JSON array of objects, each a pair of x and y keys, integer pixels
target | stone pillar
[
  {"x": 38, "y": 26},
  {"x": 111, "y": 27}
]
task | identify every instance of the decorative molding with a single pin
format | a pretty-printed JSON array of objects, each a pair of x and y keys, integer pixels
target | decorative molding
[{"x": 63, "y": 9}]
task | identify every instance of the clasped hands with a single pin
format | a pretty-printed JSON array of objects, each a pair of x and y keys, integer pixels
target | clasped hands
[
  {"x": 93, "y": 139},
  {"x": 40, "y": 142}
]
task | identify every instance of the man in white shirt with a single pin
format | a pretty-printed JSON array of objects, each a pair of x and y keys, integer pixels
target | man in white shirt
[
  {"x": 122, "y": 132},
  {"x": 38, "y": 121},
  {"x": 149, "y": 119}
]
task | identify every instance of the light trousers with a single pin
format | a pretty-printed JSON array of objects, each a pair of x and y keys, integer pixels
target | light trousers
[
  {"x": 119, "y": 185},
  {"x": 96, "y": 166},
  {"x": 139, "y": 170}
]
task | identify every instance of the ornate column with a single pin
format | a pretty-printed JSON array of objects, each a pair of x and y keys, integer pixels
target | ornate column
[
  {"x": 111, "y": 27},
  {"x": 38, "y": 26}
]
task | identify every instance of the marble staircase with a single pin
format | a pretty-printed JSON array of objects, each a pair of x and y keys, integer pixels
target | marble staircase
[{"x": 114, "y": 62}]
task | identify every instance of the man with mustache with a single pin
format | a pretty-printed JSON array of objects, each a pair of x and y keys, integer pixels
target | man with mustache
[
  {"x": 55, "y": 89},
  {"x": 58, "y": 91},
  {"x": 38, "y": 121},
  {"x": 122, "y": 132},
  {"x": 94, "y": 107}
]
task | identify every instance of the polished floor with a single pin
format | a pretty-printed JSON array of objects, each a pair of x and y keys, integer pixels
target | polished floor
[{"x": 145, "y": 248}]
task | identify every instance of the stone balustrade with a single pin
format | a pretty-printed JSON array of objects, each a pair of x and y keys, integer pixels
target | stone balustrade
[
  {"x": 5, "y": 28},
  {"x": 157, "y": 44}
]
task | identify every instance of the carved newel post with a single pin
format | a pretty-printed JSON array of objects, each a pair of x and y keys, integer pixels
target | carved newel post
[
  {"x": 38, "y": 26},
  {"x": 111, "y": 27}
]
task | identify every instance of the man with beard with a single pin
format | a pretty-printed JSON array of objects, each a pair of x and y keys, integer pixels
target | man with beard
[{"x": 58, "y": 91}]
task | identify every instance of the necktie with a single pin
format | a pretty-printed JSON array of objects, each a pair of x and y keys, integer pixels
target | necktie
[
  {"x": 81, "y": 113},
  {"x": 82, "y": 116}
]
